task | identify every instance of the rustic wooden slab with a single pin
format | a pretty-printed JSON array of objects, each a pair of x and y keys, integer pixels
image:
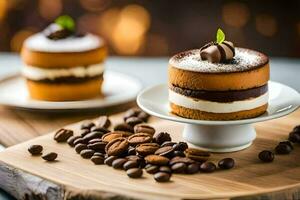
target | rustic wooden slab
[{"x": 72, "y": 177}]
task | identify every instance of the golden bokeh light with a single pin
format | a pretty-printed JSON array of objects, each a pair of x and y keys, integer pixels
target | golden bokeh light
[
  {"x": 50, "y": 9},
  {"x": 235, "y": 14},
  {"x": 266, "y": 25},
  {"x": 108, "y": 21},
  {"x": 94, "y": 5},
  {"x": 18, "y": 39},
  {"x": 3, "y": 8}
]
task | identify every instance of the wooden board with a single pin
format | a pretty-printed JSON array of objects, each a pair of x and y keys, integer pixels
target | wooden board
[{"x": 73, "y": 177}]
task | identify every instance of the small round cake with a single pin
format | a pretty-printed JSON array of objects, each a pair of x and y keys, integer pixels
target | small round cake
[
  {"x": 207, "y": 84},
  {"x": 61, "y": 65}
]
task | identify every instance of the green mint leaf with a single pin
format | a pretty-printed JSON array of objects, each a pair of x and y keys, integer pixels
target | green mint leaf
[
  {"x": 220, "y": 36},
  {"x": 66, "y": 22}
]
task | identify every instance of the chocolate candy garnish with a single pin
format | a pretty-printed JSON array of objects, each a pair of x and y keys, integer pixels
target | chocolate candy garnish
[{"x": 63, "y": 27}]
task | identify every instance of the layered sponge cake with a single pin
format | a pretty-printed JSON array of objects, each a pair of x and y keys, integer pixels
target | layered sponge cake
[
  {"x": 63, "y": 66},
  {"x": 219, "y": 82}
]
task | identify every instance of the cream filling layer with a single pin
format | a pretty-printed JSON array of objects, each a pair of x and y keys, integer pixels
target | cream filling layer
[
  {"x": 36, "y": 73},
  {"x": 217, "y": 107}
]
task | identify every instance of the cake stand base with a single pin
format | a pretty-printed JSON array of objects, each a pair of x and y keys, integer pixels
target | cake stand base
[{"x": 219, "y": 138}]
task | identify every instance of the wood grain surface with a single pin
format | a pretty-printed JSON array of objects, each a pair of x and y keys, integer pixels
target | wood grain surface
[{"x": 72, "y": 177}]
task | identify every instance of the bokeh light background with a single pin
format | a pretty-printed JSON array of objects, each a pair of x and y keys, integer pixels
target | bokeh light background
[{"x": 160, "y": 27}]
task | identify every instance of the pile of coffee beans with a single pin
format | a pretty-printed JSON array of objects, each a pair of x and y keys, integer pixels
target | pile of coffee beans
[{"x": 283, "y": 147}]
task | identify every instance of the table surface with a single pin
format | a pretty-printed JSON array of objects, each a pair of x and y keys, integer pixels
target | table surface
[{"x": 150, "y": 71}]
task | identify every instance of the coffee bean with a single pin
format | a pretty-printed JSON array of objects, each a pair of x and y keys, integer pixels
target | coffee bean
[
  {"x": 226, "y": 163},
  {"x": 50, "y": 156},
  {"x": 166, "y": 151},
  {"x": 100, "y": 129},
  {"x": 72, "y": 139},
  {"x": 266, "y": 156},
  {"x": 103, "y": 121},
  {"x": 97, "y": 160},
  {"x": 179, "y": 153},
  {"x": 133, "y": 112},
  {"x": 62, "y": 135},
  {"x": 287, "y": 143},
  {"x": 132, "y": 121},
  {"x": 146, "y": 148},
  {"x": 192, "y": 168},
  {"x": 197, "y": 154},
  {"x": 283, "y": 149},
  {"x": 87, "y": 153},
  {"x": 165, "y": 169},
  {"x": 180, "y": 146},
  {"x": 79, "y": 140},
  {"x": 179, "y": 168},
  {"x": 99, "y": 154},
  {"x": 207, "y": 167},
  {"x": 144, "y": 128},
  {"x": 97, "y": 146},
  {"x": 130, "y": 164},
  {"x": 92, "y": 135},
  {"x": 124, "y": 127},
  {"x": 131, "y": 151},
  {"x": 139, "y": 138},
  {"x": 297, "y": 128},
  {"x": 118, "y": 163},
  {"x": 151, "y": 169},
  {"x": 134, "y": 172},
  {"x": 96, "y": 140},
  {"x": 87, "y": 125},
  {"x": 162, "y": 177},
  {"x": 167, "y": 143},
  {"x": 162, "y": 137},
  {"x": 143, "y": 116},
  {"x": 113, "y": 135},
  {"x": 181, "y": 160},
  {"x": 294, "y": 137},
  {"x": 84, "y": 132},
  {"x": 117, "y": 147},
  {"x": 35, "y": 149},
  {"x": 135, "y": 158},
  {"x": 156, "y": 160},
  {"x": 79, "y": 147},
  {"x": 108, "y": 161}
]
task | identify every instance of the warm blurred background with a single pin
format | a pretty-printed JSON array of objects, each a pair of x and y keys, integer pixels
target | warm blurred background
[{"x": 160, "y": 28}]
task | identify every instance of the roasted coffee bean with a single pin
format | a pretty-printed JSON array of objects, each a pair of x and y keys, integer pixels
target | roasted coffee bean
[
  {"x": 108, "y": 161},
  {"x": 87, "y": 153},
  {"x": 92, "y": 141},
  {"x": 50, "y": 156},
  {"x": 144, "y": 128},
  {"x": 297, "y": 128},
  {"x": 134, "y": 172},
  {"x": 165, "y": 151},
  {"x": 103, "y": 121},
  {"x": 132, "y": 121},
  {"x": 118, "y": 163},
  {"x": 146, "y": 148},
  {"x": 79, "y": 147},
  {"x": 168, "y": 143},
  {"x": 124, "y": 127},
  {"x": 143, "y": 116},
  {"x": 179, "y": 153},
  {"x": 283, "y": 148},
  {"x": 135, "y": 158},
  {"x": 72, "y": 139},
  {"x": 226, "y": 163},
  {"x": 180, "y": 146},
  {"x": 181, "y": 160},
  {"x": 97, "y": 160},
  {"x": 294, "y": 137},
  {"x": 100, "y": 129},
  {"x": 84, "y": 132},
  {"x": 117, "y": 147},
  {"x": 130, "y": 164},
  {"x": 87, "y": 125},
  {"x": 35, "y": 149},
  {"x": 92, "y": 135},
  {"x": 79, "y": 140},
  {"x": 287, "y": 143},
  {"x": 266, "y": 156},
  {"x": 162, "y": 137},
  {"x": 197, "y": 154},
  {"x": 133, "y": 112},
  {"x": 207, "y": 167},
  {"x": 97, "y": 146},
  {"x": 131, "y": 151},
  {"x": 62, "y": 135},
  {"x": 162, "y": 177},
  {"x": 139, "y": 138},
  {"x": 192, "y": 168},
  {"x": 151, "y": 169},
  {"x": 179, "y": 168},
  {"x": 156, "y": 160},
  {"x": 113, "y": 135},
  {"x": 165, "y": 169},
  {"x": 99, "y": 154}
]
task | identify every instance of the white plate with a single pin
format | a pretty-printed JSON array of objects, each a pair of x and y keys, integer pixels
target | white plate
[{"x": 118, "y": 88}]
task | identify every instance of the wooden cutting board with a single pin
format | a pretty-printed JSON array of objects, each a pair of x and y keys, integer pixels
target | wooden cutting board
[{"x": 72, "y": 177}]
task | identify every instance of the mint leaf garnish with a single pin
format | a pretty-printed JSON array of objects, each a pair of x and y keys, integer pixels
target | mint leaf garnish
[
  {"x": 220, "y": 36},
  {"x": 66, "y": 22}
]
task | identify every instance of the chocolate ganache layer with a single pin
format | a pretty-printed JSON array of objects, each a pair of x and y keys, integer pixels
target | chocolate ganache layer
[
  {"x": 68, "y": 79},
  {"x": 221, "y": 96}
]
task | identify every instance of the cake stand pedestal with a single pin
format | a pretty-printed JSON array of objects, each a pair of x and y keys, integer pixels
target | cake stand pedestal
[{"x": 220, "y": 136}]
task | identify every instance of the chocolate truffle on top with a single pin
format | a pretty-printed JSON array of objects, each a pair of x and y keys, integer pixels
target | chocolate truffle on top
[{"x": 219, "y": 82}]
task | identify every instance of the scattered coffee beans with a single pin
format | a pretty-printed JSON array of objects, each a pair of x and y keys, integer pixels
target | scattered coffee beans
[
  {"x": 197, "y": 154},
  {"x": 146, "y": 148},
  {"x": 162, "y": 177},
  {"x": 139, "y": 138},
  {"x": 134, "y": 172},
  {"x": 284, "y": 148},
  {"x": 35, "y": 149},
  {"x": 130, "y": 164},
  {"x": 165, "y": 169},
  {"x": 226, "y": 163},
  {"x": 179, "y": 168},
  {"x": 162, "y": 137},
  {"x": 151, "y": 169},
  {"x": 294, "y": 137},
  {"x": 50, "y": 156},
  {"x": 79, "y": 147},
  {"x": 266, "y": 156},
  {"x": 109, "y": 160},
  {"x": 87, "y": 125},
  {"x": 62, "y": 135},
  {"x": 156, "y": 160},
  {"x": 118, "y": 163},
  {"x": 103, "y": 121},
  {"x": 132, "y": 121},
  {"x": 87, "y": 153},
  {"x": 117, "y": 147},
  {"x": 97, "y": 160},
  {"x": 192, "y": 168},
  {"x": 208, "y": 167},
  {"x": 144, "y": 128},
  {"x": 124, "y": 127}
]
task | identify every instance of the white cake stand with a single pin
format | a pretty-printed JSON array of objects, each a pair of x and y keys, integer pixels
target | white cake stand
[{"x": 220, "y": 136}]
